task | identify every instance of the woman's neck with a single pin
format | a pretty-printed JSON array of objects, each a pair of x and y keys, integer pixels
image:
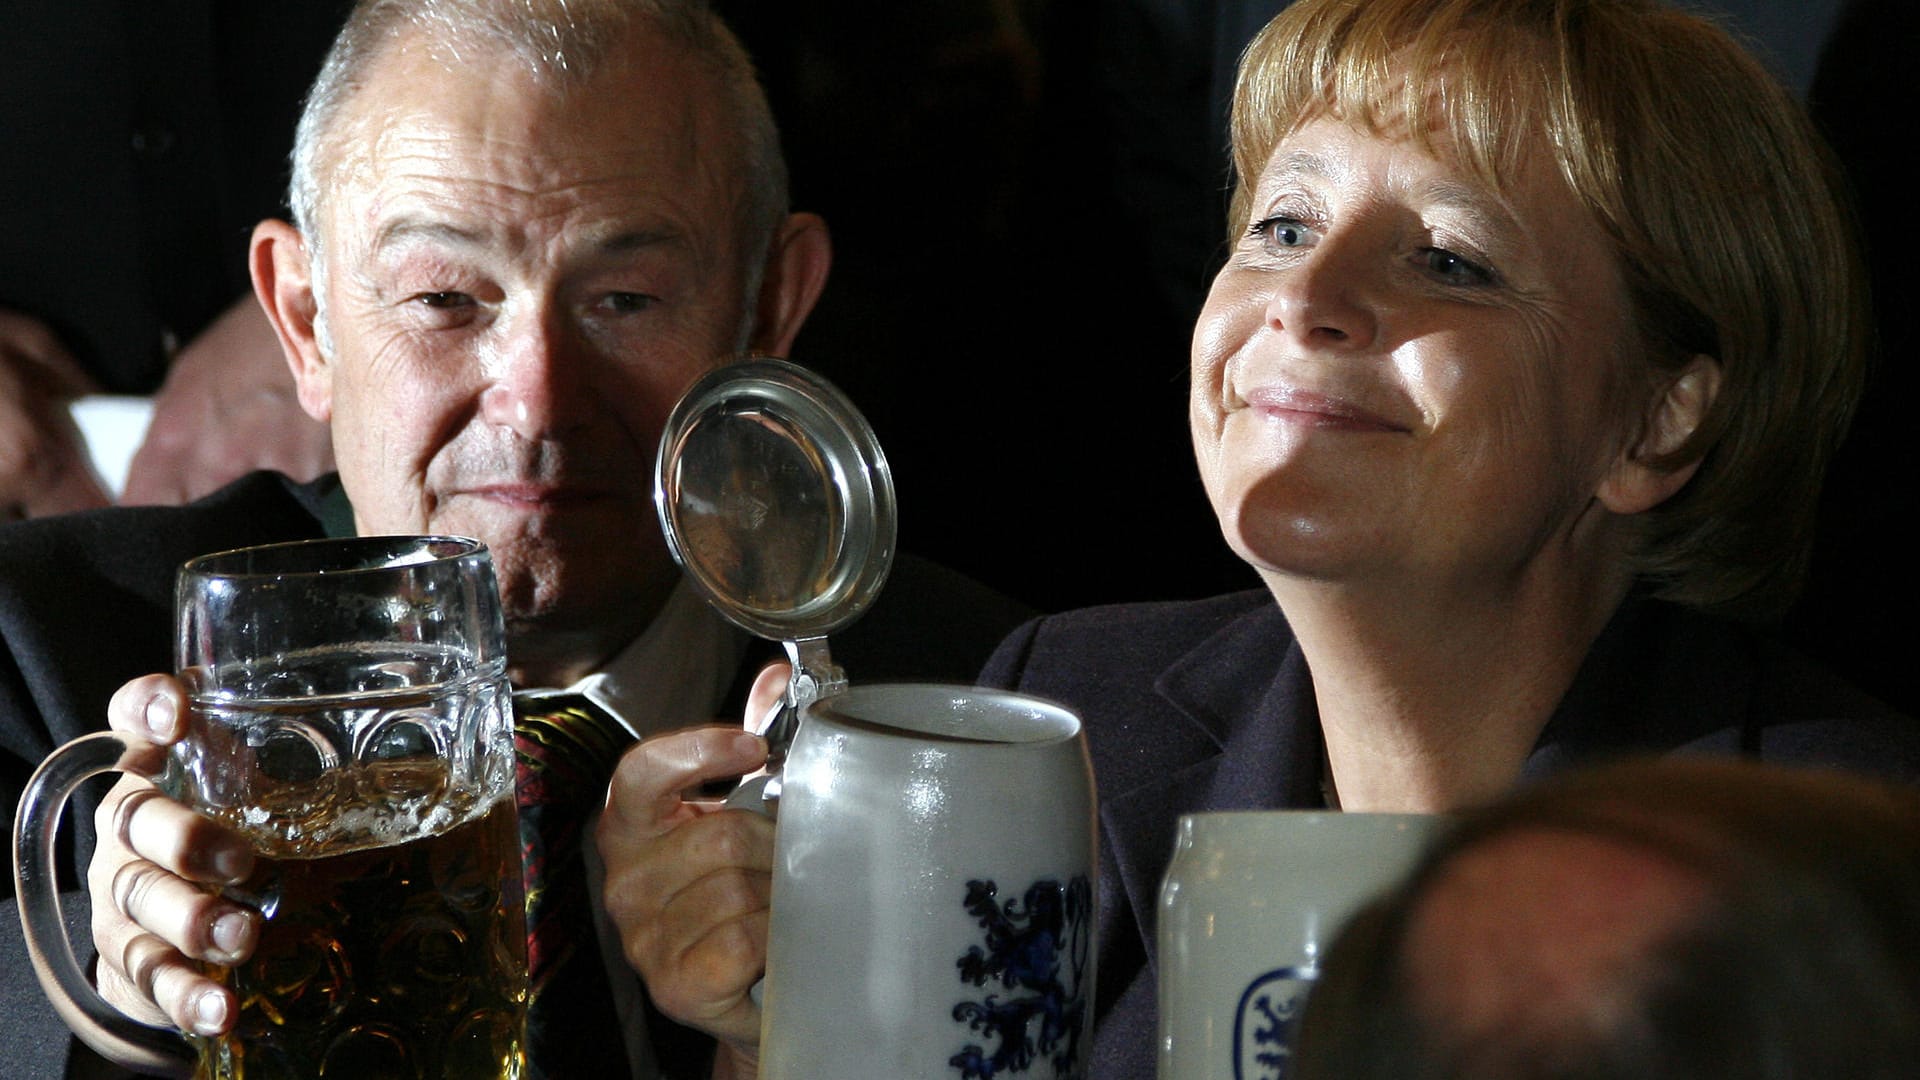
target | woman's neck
[{"x": 1432, "y": 702}]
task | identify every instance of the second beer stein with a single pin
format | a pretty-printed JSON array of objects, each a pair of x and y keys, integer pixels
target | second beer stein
[{"x": 1251, "y": 902}]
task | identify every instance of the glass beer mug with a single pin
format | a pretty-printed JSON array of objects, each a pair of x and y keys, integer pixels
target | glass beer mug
[{"x": 350, "y": 716}]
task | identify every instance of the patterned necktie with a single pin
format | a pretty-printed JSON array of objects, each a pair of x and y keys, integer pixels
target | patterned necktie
[{"x": 566, "y": 748}]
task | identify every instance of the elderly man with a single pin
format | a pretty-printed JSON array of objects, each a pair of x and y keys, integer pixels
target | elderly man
[{"x": 522, "y": 230}]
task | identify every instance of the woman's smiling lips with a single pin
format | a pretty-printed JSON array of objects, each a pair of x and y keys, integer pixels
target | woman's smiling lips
[{"x": 1309, "y": 409}]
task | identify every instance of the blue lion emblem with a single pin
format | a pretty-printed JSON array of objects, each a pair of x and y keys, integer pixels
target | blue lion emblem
[
  {"x": 1026, "y": 942},
  {"x": 1263, "y": 1026}
]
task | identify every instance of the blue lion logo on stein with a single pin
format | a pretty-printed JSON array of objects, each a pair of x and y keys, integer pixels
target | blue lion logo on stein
[
  {"x": 1263, "y": 1024},
  {"x": 1037, "y": 946}
]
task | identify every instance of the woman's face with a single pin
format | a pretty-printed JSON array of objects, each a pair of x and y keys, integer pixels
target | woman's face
[{"x": 1401, "y": 373}]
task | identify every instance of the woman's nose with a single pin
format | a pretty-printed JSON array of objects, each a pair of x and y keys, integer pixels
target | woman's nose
[
  {"x": 536, "y": 384},
  {"x": 1328, "y": 299}
]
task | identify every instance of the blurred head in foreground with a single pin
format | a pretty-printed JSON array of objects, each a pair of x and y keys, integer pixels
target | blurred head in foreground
[{"x": 1679, "y": 918}]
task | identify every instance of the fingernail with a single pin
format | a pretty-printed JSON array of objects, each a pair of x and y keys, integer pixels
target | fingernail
[
  {"x": 160, "y": 716},
  {"x": 232, "y": 864},
  {"x": 749, "y": 743},
  {"x": 230, "y": 935},
  {"x": 210, "y": 1013}
]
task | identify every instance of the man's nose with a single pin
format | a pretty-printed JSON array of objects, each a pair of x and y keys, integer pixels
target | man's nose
[
  {"x": 1329, "y": 299},
  {"x": 535, "y": 379}
]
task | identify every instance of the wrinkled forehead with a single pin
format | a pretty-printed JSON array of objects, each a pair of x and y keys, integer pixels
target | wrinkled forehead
[{"x": 644, "y": 127}]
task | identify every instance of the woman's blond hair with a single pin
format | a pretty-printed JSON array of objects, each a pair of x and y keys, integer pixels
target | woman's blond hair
[{"x": 1723, "y": 207}]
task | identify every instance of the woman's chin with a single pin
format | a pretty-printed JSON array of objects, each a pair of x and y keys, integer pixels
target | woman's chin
[{"x": 1294, "y": 546}]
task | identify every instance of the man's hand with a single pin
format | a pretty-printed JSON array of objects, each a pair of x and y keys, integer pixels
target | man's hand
[
  {"x": 688, "y": 881},
  {"x": 152, "y": 880},
  {"x": 228, "y": 407},
  {"x": 44, "y": 468}
]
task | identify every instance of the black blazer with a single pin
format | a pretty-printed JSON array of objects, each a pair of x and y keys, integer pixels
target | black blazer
[
  {"x": 1209, "y": 706},
  {"x": 86, "y": 603}
]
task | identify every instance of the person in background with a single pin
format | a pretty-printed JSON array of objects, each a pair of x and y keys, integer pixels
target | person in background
[
  {"x": 1669, "y": 919},
  {"x": 522, "y": 228},
  {"x": 142, "y": 142},
  {"x": 1539, "y": 323}
]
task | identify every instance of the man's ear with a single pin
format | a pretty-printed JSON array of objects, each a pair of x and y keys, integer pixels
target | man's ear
[
  {"x": 1644, "y": 476},
  {"x": 796, "y": 271},
  {"x": 283, "y": 280}
]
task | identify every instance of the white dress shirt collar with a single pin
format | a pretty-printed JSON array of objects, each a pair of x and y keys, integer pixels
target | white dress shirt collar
[{"x": 675, "y": 674}]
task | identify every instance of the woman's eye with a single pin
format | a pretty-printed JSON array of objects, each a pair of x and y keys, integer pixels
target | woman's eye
[
  {"x": 1455, "y": 269},
  {"x": 1280, "y": 232}
]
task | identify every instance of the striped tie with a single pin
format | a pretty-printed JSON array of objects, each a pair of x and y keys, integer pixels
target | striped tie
[{"x": 566, "y": 750}]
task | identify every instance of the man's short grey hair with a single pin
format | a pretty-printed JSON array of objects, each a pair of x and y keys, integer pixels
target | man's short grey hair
[{"x": 560, "y": 43}]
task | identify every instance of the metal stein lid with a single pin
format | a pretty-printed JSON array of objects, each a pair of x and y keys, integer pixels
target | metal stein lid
[{"x": 776, "y": 499}]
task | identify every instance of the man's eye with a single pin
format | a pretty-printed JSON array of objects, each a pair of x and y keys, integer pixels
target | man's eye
[
  {"x": 1455, "y": 269},
  {"x": 443, "y": 300},
  {"x": 626, "y": 303},
  {"x": 1280, "y": 232}
]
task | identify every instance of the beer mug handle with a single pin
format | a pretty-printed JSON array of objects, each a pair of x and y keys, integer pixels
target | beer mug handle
[{"x": 157, "y": 1051}]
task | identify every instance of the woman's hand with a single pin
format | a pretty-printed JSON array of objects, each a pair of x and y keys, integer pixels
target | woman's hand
[
  {"x": 155, "y": 911},
  {"x": 688, "y": 881}
]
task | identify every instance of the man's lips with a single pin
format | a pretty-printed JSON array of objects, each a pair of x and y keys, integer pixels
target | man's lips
[
  {"x": 533, "y": 495},
  {"x": 1305, "y": 407}
]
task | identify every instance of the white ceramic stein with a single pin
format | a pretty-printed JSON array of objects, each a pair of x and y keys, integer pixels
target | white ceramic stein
[
  {"x": 1251, "y": 902},
  {"x": 933, "y": 890}
]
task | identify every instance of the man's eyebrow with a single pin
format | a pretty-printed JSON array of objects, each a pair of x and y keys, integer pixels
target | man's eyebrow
[
  {"x": 617, "y": 241},
  {"x": 627, "y": 241},
  {"x": 402, "y": 229}
]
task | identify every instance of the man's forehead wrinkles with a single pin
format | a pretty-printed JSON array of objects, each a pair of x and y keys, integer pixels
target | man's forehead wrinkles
[
  {"x": 400, "y": 230},
  {"x": 603, "y": 214}
]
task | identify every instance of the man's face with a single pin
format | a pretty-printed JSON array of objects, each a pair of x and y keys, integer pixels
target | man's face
[{"x": 519, "y": 285}]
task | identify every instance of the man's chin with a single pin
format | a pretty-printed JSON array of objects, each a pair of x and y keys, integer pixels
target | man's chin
[{"x": 592, "y": 581}]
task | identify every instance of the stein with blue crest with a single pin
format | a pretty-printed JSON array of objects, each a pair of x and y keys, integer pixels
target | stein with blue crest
[
  {"x": 1250, "y": 904},
  {"x": 933, "y": 890}
]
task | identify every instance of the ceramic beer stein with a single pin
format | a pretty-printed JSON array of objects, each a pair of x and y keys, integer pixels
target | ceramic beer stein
[
  {"x": 933, "y": 890},
  {"x": 350, "y": 716},
  {"x": 933, "y": 884},
  {"x": 1251, "y": 902}
]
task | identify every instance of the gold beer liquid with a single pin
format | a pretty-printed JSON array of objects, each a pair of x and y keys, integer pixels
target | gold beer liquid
[{"x": 385, "y": 960}]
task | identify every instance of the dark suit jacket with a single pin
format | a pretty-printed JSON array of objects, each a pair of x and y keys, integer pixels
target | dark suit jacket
[
  {"x": 1209, "y": 706},
  {"x": 86, "y": 604}
]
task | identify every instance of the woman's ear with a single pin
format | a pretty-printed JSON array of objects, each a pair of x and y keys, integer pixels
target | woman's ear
[
  {"x": 282, "y": 270},
  {"x": 1644, "y": 476}
]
